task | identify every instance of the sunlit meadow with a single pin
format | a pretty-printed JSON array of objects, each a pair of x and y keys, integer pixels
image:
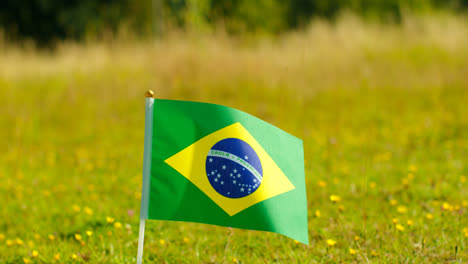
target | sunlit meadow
[{"x": 382, "y": 110}]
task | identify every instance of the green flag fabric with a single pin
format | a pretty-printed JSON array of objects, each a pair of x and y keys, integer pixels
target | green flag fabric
[{"x": 217, "y": 165}]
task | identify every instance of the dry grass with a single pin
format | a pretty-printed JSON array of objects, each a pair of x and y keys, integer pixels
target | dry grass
[{"x": 349, "y": 54}]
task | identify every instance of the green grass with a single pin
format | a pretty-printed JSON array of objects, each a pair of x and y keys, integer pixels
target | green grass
[{"x": 382, "y": 111}]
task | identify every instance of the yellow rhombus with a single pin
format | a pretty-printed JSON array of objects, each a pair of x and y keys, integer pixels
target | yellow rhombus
[{"x": 190, "y": 162}]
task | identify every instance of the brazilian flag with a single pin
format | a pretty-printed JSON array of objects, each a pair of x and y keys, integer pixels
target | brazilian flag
[{"x": 217, "y": 165}]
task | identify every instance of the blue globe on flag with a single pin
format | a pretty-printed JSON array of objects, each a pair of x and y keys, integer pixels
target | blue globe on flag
[{"x": 233, "y": 168}]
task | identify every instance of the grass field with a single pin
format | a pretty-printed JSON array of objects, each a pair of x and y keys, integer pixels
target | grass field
[{"x": 382, "y": 111}]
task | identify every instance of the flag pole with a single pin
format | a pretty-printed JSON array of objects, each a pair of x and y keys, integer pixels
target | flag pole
[{"x": 149, "y": 101}]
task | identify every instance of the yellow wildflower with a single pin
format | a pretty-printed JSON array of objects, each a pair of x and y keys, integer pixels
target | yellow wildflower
[
  {"x": 89, "y": 233},
  {"x": 2, "y": 237},
  {"x": 374, "y": 253},
  {"x": 74, "y": 256},
  {"x": 317, "y": 213},
  {"x": 395, "y": 220},
  {"x": 341, "y": 208},
  {"x": 393, "y": 202},
  {"x": 88, "y": 211},
  {"x": 446, "y": 206},
  {"x": 186, "y": 239},
  {"x": 402, "y": 209},
  {"x": 297, "y": 242},
  {"x": 335, "y": 198},
  {"x": 35, "y": 254},
  {"x": 57, "y": 256},
  {"x": 9, "y": 243},
  {"x": 352, "y": 251},
  {"x": 465, "y": 203},
  {"x": 400, "y": 227},
  {"x": 19, "y": 242},
  {"x": 331, "y": 242},
  {"x": 356, "y": 238},
  {"x": 109, "y": 220},
  {"x": 463, "y": 179},
  {"x": 372, "y": 185},
  {"x": 51, "y": 237},
  {"x": 26, "y": 260},
  {"x": 138, "y": 195},
  {"x": 429, "y": 216},
  {"x": 162, "y": 242},
  {"x": 412, "y": 168},
  {"x": 118, "y": 225},
  {"x": 234, "y": 260},
  {"x": 78, "y": 237},
  {"x": 322, "y": 183},
  {"x": 76, "y": 208},
  {"x": 409, "y": 222},
  {"x": 405, "y": 182}
]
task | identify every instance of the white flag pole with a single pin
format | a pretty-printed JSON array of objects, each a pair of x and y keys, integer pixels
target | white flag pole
[
  {"x": 141, "y": 239},
  {"x": 149, "y": 101}
]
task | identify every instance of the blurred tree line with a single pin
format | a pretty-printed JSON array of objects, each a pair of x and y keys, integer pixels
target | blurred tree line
[{"x": 45, "y": 21}]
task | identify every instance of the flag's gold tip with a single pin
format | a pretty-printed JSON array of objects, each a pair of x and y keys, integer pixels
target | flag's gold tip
[{"x": 149, "y": 94}]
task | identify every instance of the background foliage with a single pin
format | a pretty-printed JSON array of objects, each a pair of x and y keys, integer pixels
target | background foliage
[{"x": 48, "y": 20}]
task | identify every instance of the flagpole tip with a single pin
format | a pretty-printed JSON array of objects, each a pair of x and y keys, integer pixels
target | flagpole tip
[{"x": 149, "y": 94}]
